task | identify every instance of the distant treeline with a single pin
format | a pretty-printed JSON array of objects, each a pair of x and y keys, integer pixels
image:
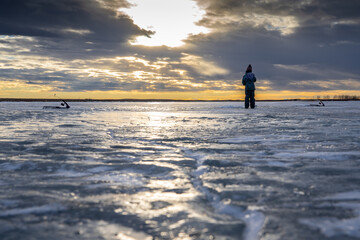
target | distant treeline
[{"x": 338, "y": 97}]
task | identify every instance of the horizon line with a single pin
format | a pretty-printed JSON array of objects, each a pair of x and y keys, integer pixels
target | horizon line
[{"x": 162, "y": 100}]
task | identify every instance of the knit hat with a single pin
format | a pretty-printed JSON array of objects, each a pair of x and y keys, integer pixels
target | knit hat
[{"x": 249, "y": 68}]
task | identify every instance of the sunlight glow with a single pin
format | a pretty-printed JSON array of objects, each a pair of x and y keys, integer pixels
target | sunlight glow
[
  {"x": 77, "y": 31},
  {"x": 171, "y": 21},
  {"x": 203, "y": 66}
]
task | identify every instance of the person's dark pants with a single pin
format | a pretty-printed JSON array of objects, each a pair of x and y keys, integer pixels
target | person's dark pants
[{"x": 250, "y": 97}]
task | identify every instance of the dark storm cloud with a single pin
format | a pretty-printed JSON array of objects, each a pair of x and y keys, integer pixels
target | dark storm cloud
[
  {"x": 67, "y": 19},
  {"x": 325, "y": 34},
  {"x": 318, "y": 21},
  {"x": 265, "y": 52},
  {"x": 346, "y": 9}
]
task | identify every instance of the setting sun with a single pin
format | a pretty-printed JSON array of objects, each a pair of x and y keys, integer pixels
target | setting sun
[{"x": 171, "y": 21}]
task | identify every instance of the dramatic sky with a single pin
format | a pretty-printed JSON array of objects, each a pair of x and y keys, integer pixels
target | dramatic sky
[{"x": 179, "y": 49}]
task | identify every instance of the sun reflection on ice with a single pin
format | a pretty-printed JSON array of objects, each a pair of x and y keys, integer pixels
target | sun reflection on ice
[{"x": 158, "y": 119}]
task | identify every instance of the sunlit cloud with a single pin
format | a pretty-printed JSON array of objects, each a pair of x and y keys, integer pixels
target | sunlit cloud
[
  {"x": 286, "y": 25},
  {"x": 202, "y": 66},
  {"x": 9, "y": 88},
  {"x": 171, "y": 21},
  {"x": 15, "y": 44},
  {"x": 121, "y": 73},
  {"x": 76, "y": 31},
  {"x": 345, "y": 22},
  {"x": 314, "y": 70},
  {"x": 156, "y": 65},
  {"x": 329, "y": 84}
]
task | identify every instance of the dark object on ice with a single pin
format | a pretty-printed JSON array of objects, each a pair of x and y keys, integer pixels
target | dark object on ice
[
  {"x": 248, "y": 81},
  {"x": 64, "y": 105},
  {"x": 320, "y": 104}
]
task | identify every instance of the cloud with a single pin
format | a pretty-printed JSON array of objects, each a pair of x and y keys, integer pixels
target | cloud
[
  {"x": 84, "y": 45},
  {"x": 67, "y": 19},
  {"x": 346, "y": 84},
  {"x": 322, "y": 37},
  {"x": 203, "y": 67},
  {"x": 315, "y": 21}
]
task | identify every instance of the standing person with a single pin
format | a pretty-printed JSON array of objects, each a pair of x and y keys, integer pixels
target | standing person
[{"x": 248, "y": 81}]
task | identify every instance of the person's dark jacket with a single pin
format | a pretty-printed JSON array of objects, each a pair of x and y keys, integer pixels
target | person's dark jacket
[{"x": 248, "y": 81}]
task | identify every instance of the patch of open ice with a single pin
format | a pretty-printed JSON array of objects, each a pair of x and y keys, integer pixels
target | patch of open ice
[
  {"x": 99, "y": 169},
  {"x": 200, "y": 171},
  {"x": 353, "y": 195},
  {"x": 200, "y": 158},
  {"x": 331, "y": 227},
  {"x": 108, "y": 230},
  {"x": 269, "y": 163},
  {"x": 69, "y": 173},
  {"x": 230, "y": 106},
  {"x": 124, "y": 179},
  {"x": 331, "y": 156},
  {"x": 246, "y": 139},
  {"x": 278, "y": 164},
  {"x": 254, "y": 220},
  {"x": 8, "y": 203},
  {"x": 259, "y": 138},
  {"x": 254, "y": 223},
  {"x": 10, "y": 166},
  {"x": 33, "y": 210}
]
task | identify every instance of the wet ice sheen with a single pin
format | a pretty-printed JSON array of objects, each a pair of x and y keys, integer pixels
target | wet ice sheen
[{"x": 180, "y": 171}]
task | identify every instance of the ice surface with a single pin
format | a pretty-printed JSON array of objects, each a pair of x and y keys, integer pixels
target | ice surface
[
  {"x": 69, "y": 173},
  {"x": 118, "y": 178},
  {"x": 9, "y": 166},
  {"x": 50, "y": 208},
  {"x": 173, "y": 170},
  {"x": 331, "y": 227},
  {"x": 353, "y": 195}
]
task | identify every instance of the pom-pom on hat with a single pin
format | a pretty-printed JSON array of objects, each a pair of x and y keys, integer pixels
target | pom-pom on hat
[{"x": 249, "y": 68}]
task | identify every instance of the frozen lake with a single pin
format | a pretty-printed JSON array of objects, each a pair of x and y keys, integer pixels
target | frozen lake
[{"x": 124, "y": 170}]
